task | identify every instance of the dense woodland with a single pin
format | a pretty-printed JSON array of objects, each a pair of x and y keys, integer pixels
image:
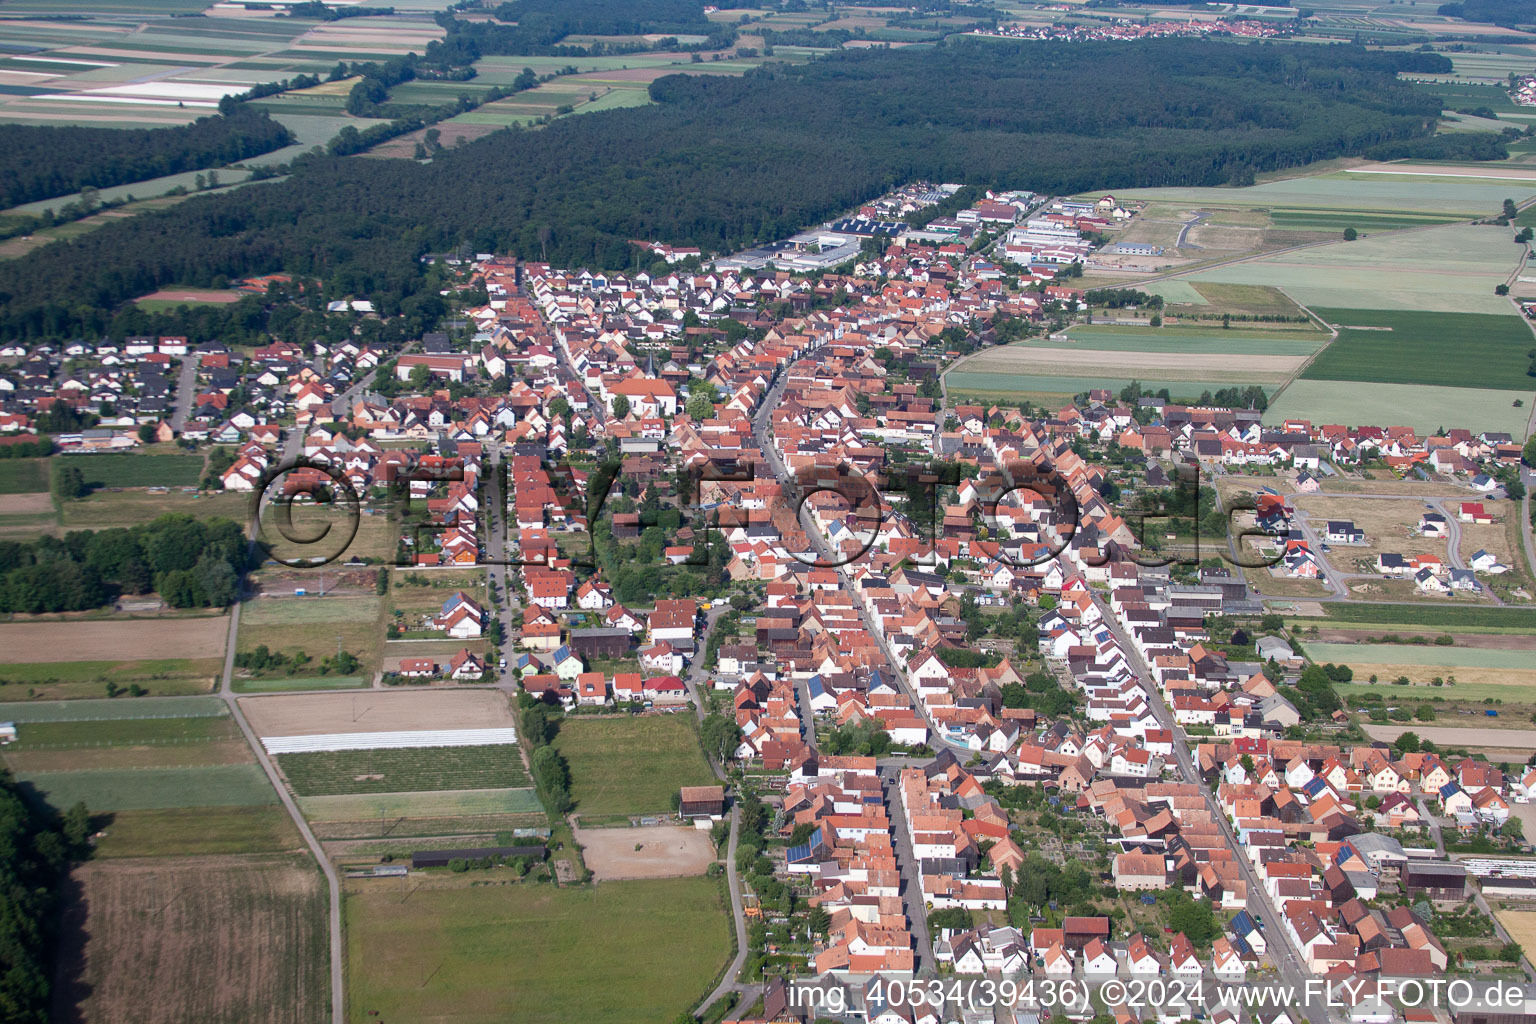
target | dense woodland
[
  {"x": 719, "y": 162},
  {"x": 189, "y": 562},
  {"x": 34, "y": 856},
  {"x": 1499, "y": 12},
  {"x": 41, "y": 162}
]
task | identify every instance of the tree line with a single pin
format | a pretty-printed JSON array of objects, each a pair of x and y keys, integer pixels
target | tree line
[
  {"x": 44, "y": 161},
  {"x": 36, "y": 847},
  {"x": 722, "y": 162},
  {"x": 191, "y": 563}
]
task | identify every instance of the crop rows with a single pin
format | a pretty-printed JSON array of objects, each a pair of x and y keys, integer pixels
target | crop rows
[{"x": 411, "y": 770}]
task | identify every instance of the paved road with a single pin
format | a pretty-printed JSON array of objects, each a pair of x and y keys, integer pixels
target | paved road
[
  {"x": 186, "y": 384},
  {"x": 1282, "y": 951},
  {"x": 730, "y": 982},
  {"x": 911, "y": 885},
  {"x": 292, "y": 446}
]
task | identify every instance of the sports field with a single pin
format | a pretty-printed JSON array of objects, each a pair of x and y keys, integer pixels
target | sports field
[
  {"x": 443, "y": 954},
  {"x": 630, "y": 765}
]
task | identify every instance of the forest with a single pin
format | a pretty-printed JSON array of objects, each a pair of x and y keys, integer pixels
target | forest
[
  {"x": 190, "y": 563},
  {"x": 41, "y": 162},
  {"x": 1499, "y": 12},
  {"x": 34, "y": 856},
  {"x": 721, "y": 162}
]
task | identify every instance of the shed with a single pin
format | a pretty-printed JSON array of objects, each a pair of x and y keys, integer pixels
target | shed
[{"x": 440, "y": 858}]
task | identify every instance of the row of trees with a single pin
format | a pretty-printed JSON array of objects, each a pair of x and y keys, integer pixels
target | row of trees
[
  {"x": 35, "y": 851},
  {"x": 719, "y": 162},
  {"x": 43, "y": 161},
  {"x": 191, "y": 563}
]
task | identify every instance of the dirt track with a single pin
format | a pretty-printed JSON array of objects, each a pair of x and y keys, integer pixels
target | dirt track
[
  {"x": 113, "y": 639},
  {"x": 666, "y": 851},
  {"x": 376, "y": 711}
]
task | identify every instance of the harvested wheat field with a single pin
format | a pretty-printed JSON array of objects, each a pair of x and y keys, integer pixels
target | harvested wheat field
[
  {"x": 316, "y": 714},
  {"x": 651, "y": 851},
  {"x": 194, "y": 940},
  {"x": 113, "y": 639}
]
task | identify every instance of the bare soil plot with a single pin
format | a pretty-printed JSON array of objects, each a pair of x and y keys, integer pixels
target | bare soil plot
[
  {"x": 194, "y": 940},
  {"x": 1389, "y": 525},
  {"x": 112, "y": 639},
  {"x": 450, "y": 134},
  {"x": 192, "y": 295},
  {"x": 1478, "y": 737},
  {"x": 26, "y": 504},
  {"x": 377, "y": 711},
  {"x": 650, "y": 851}
]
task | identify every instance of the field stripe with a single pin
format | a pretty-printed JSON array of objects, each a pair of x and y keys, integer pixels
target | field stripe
[{"x": 388, "y": 740}]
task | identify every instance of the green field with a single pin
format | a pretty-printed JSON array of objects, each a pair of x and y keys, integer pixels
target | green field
[
  {"x": 414, "y": 770},
  {"x": 630, "y": 765},
  {"x": 607, "y": 954},
  {"x": 126, "y": 508},
  {"x": 122, "y": 709},
  {"x": 1186, "y": 340},
  {"x": 1416, "y": 348},
  {"x": 227, "y": 785},
  {"x": 1361, "y": 220},
  {"x": 140, "y": 470},
  {"x": 123, "y": 732},
  {"x": 1452, "y": 268},
  {"x": 446, "y": 804},
  {"x": 162, "y": 677},
  {"x": 23, "y": 476},
  {"x": 198, "y": 831},
  {"x": 1449, "y": 617},
  {"x": 968, "y": 383},
  {"x": 1426, "y": 655},
  {"x": 1417, "y": 406},
  {"x": 289, "y": 611},
  {"x": 297, "y": 683},
  {"x": 1417, "y": 692},
  {"x": 1384, "y": 193}
]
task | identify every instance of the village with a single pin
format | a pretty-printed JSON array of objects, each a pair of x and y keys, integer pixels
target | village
[{"x": 987, "y": 719}]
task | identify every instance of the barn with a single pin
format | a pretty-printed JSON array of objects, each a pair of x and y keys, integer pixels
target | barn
[
  {"x": 702, "y": 802},
  {"x": 600, "y": 642}
]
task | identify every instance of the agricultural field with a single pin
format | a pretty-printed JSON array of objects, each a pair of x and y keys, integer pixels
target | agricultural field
[
  {"x": 1401, "y": 347},
  {"x": 116, "y": 639},
  {"x": 416, "y": 769},
  {"x": 1450, "y": 269},
  {"x": 393, "y": 810},
  {"x": 1478, "y": 193},
  {"x": 222, "y": 938},
  {"x": 1425, "y": 408},
  {"x": 1493, "y": 672},
  {"x": 1385, "y": 616},
  {"x": 377, "y": 711},
  {"x": 138, "y": 789},
  {"x": 23, "y": 476},
  {"x": 969, "y": 385},
  {"x": 313, "y": 627},
  {"x": 123, "y": 470},
  {"x": 102, "y": 509},
  {"x": 442, "y": 955},
  {"x": 630, "y": 765}
]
